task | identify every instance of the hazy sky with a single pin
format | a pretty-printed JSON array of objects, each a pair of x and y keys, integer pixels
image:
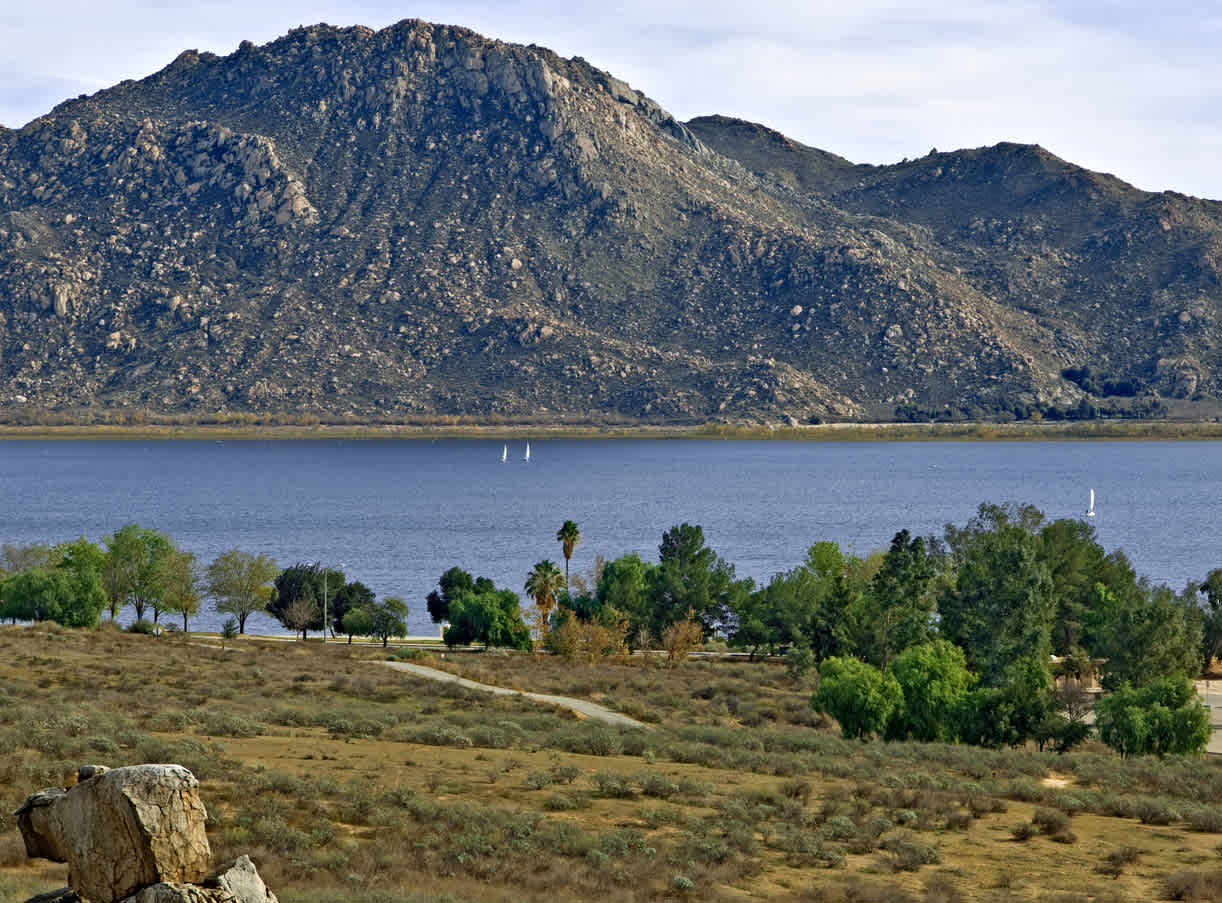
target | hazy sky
[{"x": 1131, "y": 88}]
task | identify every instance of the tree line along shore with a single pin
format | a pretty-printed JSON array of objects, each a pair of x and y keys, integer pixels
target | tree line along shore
[{"x": 994, "y": 633}]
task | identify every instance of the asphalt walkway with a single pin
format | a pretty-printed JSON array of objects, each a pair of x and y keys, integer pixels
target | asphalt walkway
[{"x": 581, "y": 706}]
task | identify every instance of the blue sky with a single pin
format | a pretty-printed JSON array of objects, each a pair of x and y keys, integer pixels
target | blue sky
[{"x": 1130, "y": 88}]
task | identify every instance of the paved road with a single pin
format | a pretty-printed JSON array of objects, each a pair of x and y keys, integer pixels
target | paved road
[{"x": 580, "y": 706}]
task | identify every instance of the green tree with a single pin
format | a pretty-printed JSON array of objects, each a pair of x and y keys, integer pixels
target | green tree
[
  {"x": 1165, "y": 717},
  {"x": 897, "y": 610},
  {"x": 454, "y": 584},
  {"x": 68, "y": 596},
  {"x": 859, "y": 696},
  {"x": 543, "y": 585},
  {"x": 624, "y": 586},
  {"x": 347, "y": 597},
  {"x": 1076, "y": 562},
  {"x": 78, "y": 555},
  {"x": 184, "y": 585},
  {"x": 357, "y": 622},
  {"x": 753, "y": 620},
  {"x": 241, "y": 584},
  {"x": 1154, "y": 634},
  {"x": 492, "y": 618},
  {"x": 300, "y": 594},
  {"x": 389, "y": 619},
  {"x": 1012, "y": 712},
  {"x": 1211, "y": 620},
  {"x": 133, "y": 572},
  {"x": 1000, "y": 605},
  {"x": 568, "y": 536},
  {"x": 936, "y": 685},
  {"x": 690, "y": 577}
]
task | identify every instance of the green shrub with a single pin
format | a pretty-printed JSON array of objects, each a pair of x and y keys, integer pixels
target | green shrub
[
  {"x": 1155, "y": 812},
  {"x": 839, "y": 827},
  {"x": 795, "y": 789},
  {"x": 612, "y": 785},
  {"x": 537, "y": 780},
  {"x": 1189, "y": 885},
  {"x": 657, "y": 785},
  {"x": 908, "y": 853},
  {"x": 1022, "y": 832},
  {"x": 559, "y": 802},
  {"x": 959, "y": 821},
  {"x": 1050, "y": 821},
  {"x": 1206, "y": 819},
  {"x": 142, "y": 626},
  {"x": 590, "y": 742}
]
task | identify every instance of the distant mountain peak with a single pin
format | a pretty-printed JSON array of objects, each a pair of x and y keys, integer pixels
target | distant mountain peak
[{"x": 419, "y": 221}]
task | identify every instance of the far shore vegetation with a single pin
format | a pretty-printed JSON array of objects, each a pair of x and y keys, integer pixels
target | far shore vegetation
[{"x": 237, "y": 427}]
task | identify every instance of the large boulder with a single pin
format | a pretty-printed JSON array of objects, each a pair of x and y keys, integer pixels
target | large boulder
[
  {"x": 121, "y": 830},
  {"x": 237, "y": 882}
]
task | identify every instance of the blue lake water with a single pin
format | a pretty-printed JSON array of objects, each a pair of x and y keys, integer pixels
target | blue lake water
[{"x": 396, "y": 514}]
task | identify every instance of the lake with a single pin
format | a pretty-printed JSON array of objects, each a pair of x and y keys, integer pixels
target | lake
[{"x": 396, "y": 514}]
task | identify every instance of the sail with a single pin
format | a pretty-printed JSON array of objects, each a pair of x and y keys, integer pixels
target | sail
[{"x": 527, "y": 457}]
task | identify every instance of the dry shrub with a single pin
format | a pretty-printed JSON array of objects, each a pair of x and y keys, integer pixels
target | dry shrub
[
  {"x": 941, "y": 888},
  {"x": 680, "y": 638},
  {"x": 1198, "y": 887}
]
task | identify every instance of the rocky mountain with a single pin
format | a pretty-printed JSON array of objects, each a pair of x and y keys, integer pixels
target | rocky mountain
[{"x": 420, "y": 222}]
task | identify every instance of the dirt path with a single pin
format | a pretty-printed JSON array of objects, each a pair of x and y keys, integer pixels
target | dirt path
[{"x": 581, "y": 706}]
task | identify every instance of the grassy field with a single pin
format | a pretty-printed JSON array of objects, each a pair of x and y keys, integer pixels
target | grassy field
[{"x": 351, "y": 782}]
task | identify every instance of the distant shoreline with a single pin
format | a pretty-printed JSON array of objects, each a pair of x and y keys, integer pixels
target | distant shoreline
[{"x": 835, "y": 432}]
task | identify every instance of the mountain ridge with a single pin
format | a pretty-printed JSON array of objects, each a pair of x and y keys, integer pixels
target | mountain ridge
[{"x": 422, "y": 221}]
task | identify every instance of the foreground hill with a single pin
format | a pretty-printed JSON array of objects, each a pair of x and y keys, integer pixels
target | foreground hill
[
  {"x": 419, "y": 221},
  {"x": 348, "y": 782}
]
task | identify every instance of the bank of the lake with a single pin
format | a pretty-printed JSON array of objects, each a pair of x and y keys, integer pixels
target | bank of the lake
[{"x": 1026, "y": 431}]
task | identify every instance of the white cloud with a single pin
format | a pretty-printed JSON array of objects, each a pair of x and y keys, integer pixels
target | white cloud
[{"x": 1123, "y": 87}]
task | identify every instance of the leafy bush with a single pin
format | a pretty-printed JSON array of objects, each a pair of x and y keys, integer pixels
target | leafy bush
[
  {"x": 537, "y": 780},
  {"x": 908, "y": 853},
  {"x": 657, "y": 785},
  {"x": 1155, "y": 812},
  {"x": 795, "y": 789},
  {"x": 590, "y": 742},
  {"x": 1050, "y": 821},
  {"x": 1206, "y": 819},
  {"x": 145, "y": 627},
  {"x": 612, "y": 785},
  {"x": 1190, "y": 885},
  {"x": 1022, "y": 832}
]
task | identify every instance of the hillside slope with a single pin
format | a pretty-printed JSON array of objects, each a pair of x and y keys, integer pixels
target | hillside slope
[{"x": 421, "y": 221}]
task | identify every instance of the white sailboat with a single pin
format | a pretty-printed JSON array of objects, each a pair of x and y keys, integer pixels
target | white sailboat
[
  {"x": 1090, "y": 512},
  {"x": 526, "y": 458},
  {"x": 504, "y": 454}
]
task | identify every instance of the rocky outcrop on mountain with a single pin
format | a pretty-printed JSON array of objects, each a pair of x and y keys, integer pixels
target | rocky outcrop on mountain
[
  {"x": 420, "y": 221},
  {"x": 133, "y": 835}
]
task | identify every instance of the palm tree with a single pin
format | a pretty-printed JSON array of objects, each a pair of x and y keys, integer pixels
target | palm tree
[
  {"x": 542, "y": 585},
  {"x": 568, "y": 536}
]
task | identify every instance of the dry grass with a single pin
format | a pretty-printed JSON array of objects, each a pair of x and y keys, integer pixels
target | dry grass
[{"x": 348, "y": 782}]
